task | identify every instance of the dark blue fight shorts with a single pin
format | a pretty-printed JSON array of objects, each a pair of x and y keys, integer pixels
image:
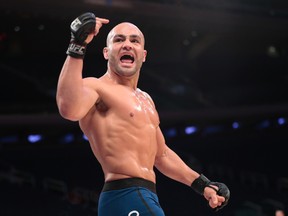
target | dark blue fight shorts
[{"x": 129, "y": 197}]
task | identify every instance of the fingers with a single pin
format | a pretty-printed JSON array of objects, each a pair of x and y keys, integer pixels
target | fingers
[
  {"x": 102, "y": 20},
  {"x": 215, "y": 201},
  {"x": 99, "y": 24}
]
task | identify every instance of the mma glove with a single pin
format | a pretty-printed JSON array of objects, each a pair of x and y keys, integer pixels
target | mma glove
[
  {"x": 201, "y": 182},
  {"x": 80, "y": 28}
]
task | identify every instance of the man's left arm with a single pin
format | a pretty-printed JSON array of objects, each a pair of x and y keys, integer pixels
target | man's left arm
[{"x": 172, "y": 166}]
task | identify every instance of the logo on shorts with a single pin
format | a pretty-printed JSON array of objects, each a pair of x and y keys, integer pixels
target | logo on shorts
[{"x": 133, "y": 213}]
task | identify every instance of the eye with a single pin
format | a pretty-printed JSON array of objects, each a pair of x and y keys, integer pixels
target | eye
[
  {"x": 135, "y": 41},
  {"x": 118, "y": 39}
]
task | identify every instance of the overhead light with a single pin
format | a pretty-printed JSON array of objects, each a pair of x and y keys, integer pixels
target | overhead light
[
  {"x": 272, "y": 51},
  {"x": 191, "y": 130},
  {"x": 235, "y": 125},
  {"x": 34, "y": 138},
  {"x": 281, "y": 121}
]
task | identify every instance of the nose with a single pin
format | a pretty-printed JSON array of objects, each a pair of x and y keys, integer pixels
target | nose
[{"x": 127, "y": 45}]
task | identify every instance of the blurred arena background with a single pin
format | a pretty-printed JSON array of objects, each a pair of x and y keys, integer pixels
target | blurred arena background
[{"x": 217, "y": 71}]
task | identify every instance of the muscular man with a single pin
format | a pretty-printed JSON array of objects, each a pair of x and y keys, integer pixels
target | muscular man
[{"x": 122, "y": 124}]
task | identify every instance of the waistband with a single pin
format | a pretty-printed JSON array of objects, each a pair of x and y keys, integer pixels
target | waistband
[{"x": 129, "y": 182}]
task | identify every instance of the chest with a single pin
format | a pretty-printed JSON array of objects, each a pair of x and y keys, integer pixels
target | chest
[
  {"x": 140, "y": 109},
  {"x": 135, "y": 106},
  {"x": 141, "y": 104}
]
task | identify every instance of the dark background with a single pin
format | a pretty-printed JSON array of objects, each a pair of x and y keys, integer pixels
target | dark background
[{"x": 210, "y": 64}]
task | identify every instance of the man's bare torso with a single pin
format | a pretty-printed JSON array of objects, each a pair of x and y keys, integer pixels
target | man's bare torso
[{"x": 121, "y": 128}]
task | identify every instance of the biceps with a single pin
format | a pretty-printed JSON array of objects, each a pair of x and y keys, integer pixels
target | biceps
[{"x": 89, "y": 99}]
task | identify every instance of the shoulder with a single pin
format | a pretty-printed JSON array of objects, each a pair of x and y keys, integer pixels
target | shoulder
[
  {"x": 93, "y": 82},
  {"x": 90, "y": 80},
  {"x": 146, "y": 95}
]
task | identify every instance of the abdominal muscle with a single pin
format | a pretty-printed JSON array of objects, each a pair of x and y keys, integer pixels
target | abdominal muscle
[
  {"x": 123, "y": 149},
  {"x": 127, "y": 168}
]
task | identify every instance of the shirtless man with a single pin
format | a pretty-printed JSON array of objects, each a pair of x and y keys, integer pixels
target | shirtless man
[{"x": 122, "y": 124}]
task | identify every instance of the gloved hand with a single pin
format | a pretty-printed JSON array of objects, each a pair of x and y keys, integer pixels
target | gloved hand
[
  {"x": 80, "y": 28},
  {"x": 222, "y": 191},
  {"x": 201, "y": 182}
]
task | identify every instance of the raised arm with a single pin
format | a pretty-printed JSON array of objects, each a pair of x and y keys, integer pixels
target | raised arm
[
  {"x": 75, "y": 95},
  {"x": 171, "y": 165}
]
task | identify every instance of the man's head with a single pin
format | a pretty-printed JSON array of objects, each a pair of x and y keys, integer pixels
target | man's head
[{"x": 125, "y": 49}]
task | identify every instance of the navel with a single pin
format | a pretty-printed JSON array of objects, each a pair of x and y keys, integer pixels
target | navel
[{"x": 131, "y": 114}]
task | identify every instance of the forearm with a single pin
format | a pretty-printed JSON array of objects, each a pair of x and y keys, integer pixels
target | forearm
[
  {"x": 70, "y": 87},
  {"x": 171, "y": 165}
]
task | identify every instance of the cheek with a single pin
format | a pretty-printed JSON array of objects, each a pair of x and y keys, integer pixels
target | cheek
[
  {"x": 109, "y": 55},
  {"x": 112, "y": 59}
]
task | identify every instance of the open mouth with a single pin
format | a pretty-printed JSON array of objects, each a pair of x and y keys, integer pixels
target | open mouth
[{"x": 127, "y": 59}]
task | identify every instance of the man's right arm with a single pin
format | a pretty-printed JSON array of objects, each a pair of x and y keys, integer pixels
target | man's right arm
[
  {"x": 74, "y": 98},
  {"x": 75, "y": 95}
]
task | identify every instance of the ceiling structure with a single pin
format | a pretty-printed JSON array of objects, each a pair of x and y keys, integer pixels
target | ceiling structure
[{"x": 229, "y": 58}]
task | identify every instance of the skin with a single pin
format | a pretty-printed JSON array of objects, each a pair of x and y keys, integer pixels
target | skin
[
  {"x": 120, "y": 120},
  {"x": 279, "y": 213}
]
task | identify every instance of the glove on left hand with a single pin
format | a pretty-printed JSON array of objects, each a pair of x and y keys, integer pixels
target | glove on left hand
[{"x": 201, "y": 182}]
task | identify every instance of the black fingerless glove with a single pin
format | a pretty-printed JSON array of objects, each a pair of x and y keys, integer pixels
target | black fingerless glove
[
  {"x": 201, "y": 182},
  {"x": 222, "y": 191},
  {"x": 80, "y": 28}
]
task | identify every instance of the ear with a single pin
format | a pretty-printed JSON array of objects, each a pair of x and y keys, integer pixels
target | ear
[
  {"x": 105, "y": 53},
  {"x": 144, "y": 55}
]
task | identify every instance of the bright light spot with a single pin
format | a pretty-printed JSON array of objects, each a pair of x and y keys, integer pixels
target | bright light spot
[
  {"x": 85, "y": 137},
  {"x": 33, "y": 138},
  {"x": 235, "y": 125},
  {"x": 281, "y": 121},
  {"x": 190, "y": 129}
]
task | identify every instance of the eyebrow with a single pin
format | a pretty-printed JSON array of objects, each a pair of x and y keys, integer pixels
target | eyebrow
[{"x": 130, "y": 36}]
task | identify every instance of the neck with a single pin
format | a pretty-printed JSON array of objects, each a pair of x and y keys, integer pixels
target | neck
[{"x": 122, "y": 80}]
